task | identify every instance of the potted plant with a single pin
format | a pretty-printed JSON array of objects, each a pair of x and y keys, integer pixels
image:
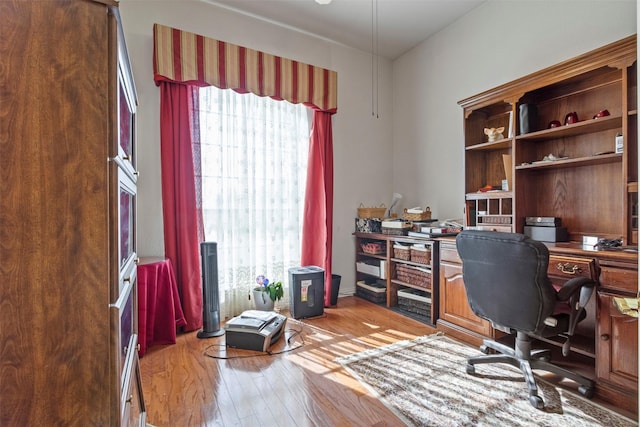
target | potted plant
[{"x": 266, "y": 293}]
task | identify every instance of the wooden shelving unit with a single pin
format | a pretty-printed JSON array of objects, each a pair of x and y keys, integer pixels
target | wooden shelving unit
[{"x": 423, "y": 306}]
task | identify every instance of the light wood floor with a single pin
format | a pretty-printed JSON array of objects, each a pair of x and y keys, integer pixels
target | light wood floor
[
  {"x": 199, "y": 382},
  {"x": 183, "y": 386}
]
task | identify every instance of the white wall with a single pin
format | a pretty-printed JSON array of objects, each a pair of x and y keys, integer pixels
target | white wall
[
  {"x": 362, "y": 143},
  {"x": 495, "y": 43}
]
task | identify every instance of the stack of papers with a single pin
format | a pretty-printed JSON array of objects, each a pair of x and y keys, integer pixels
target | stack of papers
[{"x": 628, "y": 306}]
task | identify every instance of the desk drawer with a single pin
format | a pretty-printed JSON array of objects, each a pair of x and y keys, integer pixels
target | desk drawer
[
  {"x": 619, "y": 278},
  {"x": 449, "y": 253},
  {"x": 568, "y": 267}
]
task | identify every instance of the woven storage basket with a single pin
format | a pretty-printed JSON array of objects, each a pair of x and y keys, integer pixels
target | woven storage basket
[
  {"x": 414, "y": 276},
  {"x": 371, "y": 212},
  {"x": 374, "y": 248},
  {"x": 371, "y": 292},
  {"x": 423, "y": 256},
  {"x": 395, "y": 231},
  {"x": 417, "y": 216},
  {"x": 415, "y": 301},
  {"x": 401, "y": 252}
]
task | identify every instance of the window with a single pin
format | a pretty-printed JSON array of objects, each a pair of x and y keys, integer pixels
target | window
[{"x": 253, "y": 155}]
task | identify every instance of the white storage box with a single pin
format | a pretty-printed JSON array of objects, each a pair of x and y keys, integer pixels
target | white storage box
[{"x": 376, "y": 268}]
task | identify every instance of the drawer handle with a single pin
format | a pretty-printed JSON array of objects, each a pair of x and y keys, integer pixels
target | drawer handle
[
  {"x": 569, "y": 268},
  {"x": 130, "y": 399},
  {"x": 605, "y": 337}
]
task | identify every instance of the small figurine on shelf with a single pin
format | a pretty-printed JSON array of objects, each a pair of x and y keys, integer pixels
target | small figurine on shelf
[{"x": 494, "y": 134}]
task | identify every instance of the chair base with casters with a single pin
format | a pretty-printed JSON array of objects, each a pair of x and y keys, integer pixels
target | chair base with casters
[{"x": 523, "y": 358}]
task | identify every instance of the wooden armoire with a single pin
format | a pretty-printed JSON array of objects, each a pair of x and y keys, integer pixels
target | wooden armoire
[{"x": 68, "y": 299}]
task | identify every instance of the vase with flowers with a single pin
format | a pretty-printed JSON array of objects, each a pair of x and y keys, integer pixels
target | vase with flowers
[{"x": 266, "y": 293}]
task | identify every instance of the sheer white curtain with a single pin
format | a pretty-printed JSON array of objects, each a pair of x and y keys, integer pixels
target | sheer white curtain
[{"x": 254, "y": 154}]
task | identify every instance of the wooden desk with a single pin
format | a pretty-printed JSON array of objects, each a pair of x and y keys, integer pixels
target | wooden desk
[{"x": 159, "y": 309}]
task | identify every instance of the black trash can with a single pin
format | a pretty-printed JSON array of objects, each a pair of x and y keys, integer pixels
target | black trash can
[{"x": 335, "y": 288}]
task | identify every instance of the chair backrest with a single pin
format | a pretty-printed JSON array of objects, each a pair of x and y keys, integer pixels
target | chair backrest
[{"x": 505, "y": 276}]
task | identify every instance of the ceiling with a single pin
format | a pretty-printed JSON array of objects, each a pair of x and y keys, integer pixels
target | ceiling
[{"x": 401, "y": 24}]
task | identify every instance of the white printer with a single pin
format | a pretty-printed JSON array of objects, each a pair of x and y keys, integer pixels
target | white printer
[{"x": 254, "y": 330}]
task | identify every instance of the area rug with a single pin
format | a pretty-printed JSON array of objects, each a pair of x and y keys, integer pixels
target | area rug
[{"x": 425, "y": 383}]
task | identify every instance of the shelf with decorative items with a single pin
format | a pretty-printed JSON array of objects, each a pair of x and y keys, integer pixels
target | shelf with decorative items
[{"x": 489, "y": 129}]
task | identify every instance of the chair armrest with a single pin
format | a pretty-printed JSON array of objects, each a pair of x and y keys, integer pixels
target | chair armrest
[
  {"x": 575, "y": 285},
  {"x": 577, "y": 292}
]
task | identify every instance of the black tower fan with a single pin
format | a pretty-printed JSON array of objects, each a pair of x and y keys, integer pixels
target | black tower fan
[{"x": 210, "y": 300}]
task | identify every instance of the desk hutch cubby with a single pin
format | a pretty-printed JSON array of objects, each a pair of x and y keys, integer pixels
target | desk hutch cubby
[
  {"x": 409, "y": 267},
  {"x": 588, "y": 183},
  {"x": 69, "y": 316}
]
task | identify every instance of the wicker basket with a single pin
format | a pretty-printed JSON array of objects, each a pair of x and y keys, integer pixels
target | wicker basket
[
  {"x": 401, "y": 252},
  {"x": 414, "y": 301},
  {"x": 421, "y": 255},
  {"x": 372, "y": 292},
  {"x": 414, "y": 276},
  {"x": 371, "y": 212},
  {"x": 395, "y": 231},
  {"x": 374, "y": 248},
  {"x": 417, "y": 216}
]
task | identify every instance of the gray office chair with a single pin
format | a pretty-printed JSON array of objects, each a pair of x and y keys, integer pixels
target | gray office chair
[{"x": 505, "y": 277}]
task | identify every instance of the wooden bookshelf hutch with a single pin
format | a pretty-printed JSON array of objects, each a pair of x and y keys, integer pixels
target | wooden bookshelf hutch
[{"x": 591, "y": 187}]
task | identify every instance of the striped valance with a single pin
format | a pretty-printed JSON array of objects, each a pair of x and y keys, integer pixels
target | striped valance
[{"x": 184, "y": 57}]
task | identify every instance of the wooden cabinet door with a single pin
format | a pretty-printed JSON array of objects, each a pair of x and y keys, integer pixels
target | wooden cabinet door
[
  {"x": 616, "y": 345},
  {"x": 454, "y": 307}
]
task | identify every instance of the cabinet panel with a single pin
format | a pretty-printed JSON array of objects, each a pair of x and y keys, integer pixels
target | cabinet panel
[
  {"x": 126, "y": 205},
  {"x": 137, "y": 409},
  {"x": 125, "y": 118},
  {"x": 125, "y": 322},
  {"x": 131, "y": 398},
  {"x": 454, "y": 306},
  {"x": 617, "y": 345}
]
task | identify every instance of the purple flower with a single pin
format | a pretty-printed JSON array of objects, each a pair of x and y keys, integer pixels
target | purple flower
[{"x": 261, "y": 280}]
